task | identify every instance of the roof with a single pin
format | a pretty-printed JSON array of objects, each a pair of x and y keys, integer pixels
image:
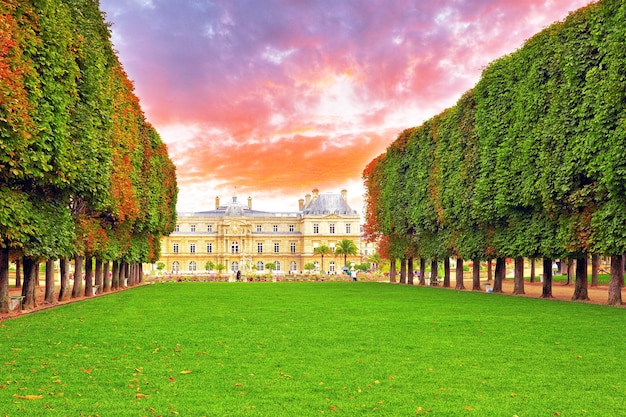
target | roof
[
  {"x": 320, "y": 205},
  {"x": 328, "y": 204}
]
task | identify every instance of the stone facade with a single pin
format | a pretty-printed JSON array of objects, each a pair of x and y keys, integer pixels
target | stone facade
[{"x": 242, "y": 239}]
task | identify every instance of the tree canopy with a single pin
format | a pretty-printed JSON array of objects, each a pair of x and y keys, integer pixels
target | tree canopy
[
  {"x": 530, "y": 162},
  {"x": 81, "y": 169}
]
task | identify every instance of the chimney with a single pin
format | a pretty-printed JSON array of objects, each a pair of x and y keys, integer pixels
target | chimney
[
  {"x": 217, "y": 203},
  {"x": 300, "y": 204},
  {"x": 316, "y": 193},
  {"x": 344, "y": 195},
  {"x": 307, "y": 200},
  {"x": 250, "y": 203}
]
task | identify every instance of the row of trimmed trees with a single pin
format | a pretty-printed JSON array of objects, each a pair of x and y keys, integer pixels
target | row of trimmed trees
[
  {"x": 83, "y": 175},
  {"x": 530, "y": 163}
]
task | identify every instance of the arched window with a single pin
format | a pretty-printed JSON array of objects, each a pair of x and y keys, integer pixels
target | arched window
[
  {"x": 332, "y": 266},
  {"x": 259, "y": 266},
  {"x": 234, "y": 266},
  {"x": 192, "y": 266},
  {"x": 234, "y": 247},
  {"x": 277, "y": 266},
  {"x": 317, "y": 265},
  {"x": 175, "y": 267},
  {"x": 293, "y": 266}
]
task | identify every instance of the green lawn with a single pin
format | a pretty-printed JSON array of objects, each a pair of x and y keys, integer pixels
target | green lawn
[{"x": 304, "y": 349}]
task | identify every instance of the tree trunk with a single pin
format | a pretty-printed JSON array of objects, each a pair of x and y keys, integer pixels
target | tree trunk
[
  {"x": 130, "y": 276},
  {"x": 115, "y": 275},
  {"x": 595, "y": 265},
  {"x": 88, "y": 275},
  {"x": 489, "y": 270},
  {"x": 64, "y": 291},
  {"x": 616, "y": 281},
  {"x": 532, "y": 270},
  {"x": 422, "y": 271},
  {"x": 98, "y": 275},
  {"x": 78, "y": 276},
  {"x": 518, "y": 280},
  {"x": 123, "y": 276},
  {"x": 49, "y": 297},
  {"x": 4, "y": 280},
  {"x": 106, "y": 279},
  {"x": 570, "y": 270},
  {"x": 403, "y": 271},
  {"x": 392, "y": 270},
  {"x": 459, "y": 274},
  {"x": 140, "y": 273},
  {"x": 434, "y": 271},
  {"x": 499, "y": 275},
  {"x": 28, "y": 287},
  {"x": 409, "y": 271},
  {"x": 580, "y": 290},
  {"x": 546, "y": 292},
  {"x": 476, "y": 275},
  {"x": 18, "y": 273},
  {"x": 446, "y": 272}
]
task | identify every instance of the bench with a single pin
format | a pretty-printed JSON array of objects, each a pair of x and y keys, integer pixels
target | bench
[{"x": 15, "y": 301}]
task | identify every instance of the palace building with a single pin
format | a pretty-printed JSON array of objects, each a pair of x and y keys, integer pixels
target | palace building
[{"x": 238, "y": 238}]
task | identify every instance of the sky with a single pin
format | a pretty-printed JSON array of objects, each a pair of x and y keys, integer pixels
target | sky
[{"x": 271, "y": 99}]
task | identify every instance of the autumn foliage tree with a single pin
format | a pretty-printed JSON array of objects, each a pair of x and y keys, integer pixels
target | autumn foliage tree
[{"x": 83, "y": 175}]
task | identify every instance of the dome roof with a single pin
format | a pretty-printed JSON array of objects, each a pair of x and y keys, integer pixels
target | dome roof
[{"x": 328, "y": 204}]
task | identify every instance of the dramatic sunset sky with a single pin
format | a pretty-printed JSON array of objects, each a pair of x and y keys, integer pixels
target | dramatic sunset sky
[{"x": 278, "y": 97}]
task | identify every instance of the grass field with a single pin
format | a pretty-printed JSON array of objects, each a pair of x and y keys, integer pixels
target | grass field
[{"x": 304, "y": 349}]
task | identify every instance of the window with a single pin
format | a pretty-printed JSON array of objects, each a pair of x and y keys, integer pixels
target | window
[
  {"x": 234, "y": 266},
  {"x": 177, "y": 228},
  {"x": 332, "y": 266},
  {"x": 331, "y": 228},
  {"x": 259, "y": 266},
  {"x": 192, "y": 228},
  {"x": 192, "y": 266},
  {"x": 209, "y": 248},
  {"x": 317, "y": 265},
  {"x": 175, "y": 248},
  {"x": 192, "y": 248},
  {"x": 293, "y": 266},
  {"x": 209, "y": 228},
  {"x": 277, "y": 264},
  {"x": 276, "y": 247},
  {"x": 259, "y": 228},
  {"x": 348, "y": 228},
  {"x": 234, "y": 247},
  {"x": 292, "y": 228},
  {"x": 316, "y": 228},
  {"x": 293, "y": 247},
  {"x": 259, "y": 247},
  {"x": 175, "y": 266},
  {"x": 275, "y": 228}
]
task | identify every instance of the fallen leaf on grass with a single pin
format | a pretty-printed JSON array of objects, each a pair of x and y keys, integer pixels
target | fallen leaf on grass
[
  {"x": 186, "y": 371},
  {"x": 28, "y": 397},
  {"x": 140, "y": 395}
]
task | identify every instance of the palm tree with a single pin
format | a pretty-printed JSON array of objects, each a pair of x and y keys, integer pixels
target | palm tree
[
  {"x": 346, "y": 247},
  {"x": 322, "y": 250}
]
